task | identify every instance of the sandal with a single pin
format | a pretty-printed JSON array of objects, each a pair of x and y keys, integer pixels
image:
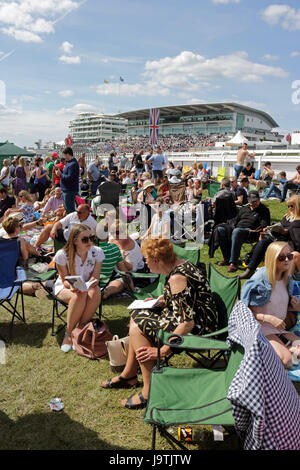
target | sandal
[
  {"x": 122, "y": 383},
  {"x": 136, "y": 406}
]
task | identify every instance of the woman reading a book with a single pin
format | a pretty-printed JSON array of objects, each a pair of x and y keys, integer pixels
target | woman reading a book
[
  {"x": 186, "y": 306},
  {"x": 79, "y": 257}
]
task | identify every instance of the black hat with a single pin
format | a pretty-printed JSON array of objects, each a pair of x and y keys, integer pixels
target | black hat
[{"x": 253, "y": 196}]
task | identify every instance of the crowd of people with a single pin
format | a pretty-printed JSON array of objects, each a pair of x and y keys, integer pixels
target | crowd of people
[
  {"x": 56, "y": 195},
  {"x": 171, "y": 143}
]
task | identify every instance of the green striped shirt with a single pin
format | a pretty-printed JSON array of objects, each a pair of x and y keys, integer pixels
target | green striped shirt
[{"x": 112, "y": 258}]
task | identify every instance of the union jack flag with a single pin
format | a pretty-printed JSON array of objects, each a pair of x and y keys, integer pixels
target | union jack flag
[{"x": 154, "y": 126}]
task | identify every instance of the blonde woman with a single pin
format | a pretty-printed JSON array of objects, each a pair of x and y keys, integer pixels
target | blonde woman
[
  {"x": 294, "y": 231},
  {"x": 269, "y": 295},
  {"x": 26, "y": 207},
  {"x": 81, "y": 258}
]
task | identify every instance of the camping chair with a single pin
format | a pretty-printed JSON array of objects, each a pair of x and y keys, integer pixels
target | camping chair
[
  {"x": 189, "y": 396},
  {"x": 225, "y": 291},
  {"x": 156, "y": 289},
  {"x": 177, "y": 192},
  {"x": 213, "y": 188},
  {"x": 11, "y": 278},
  {"x": 109, "y": 193},
  {"x": 225, "y": 209}
]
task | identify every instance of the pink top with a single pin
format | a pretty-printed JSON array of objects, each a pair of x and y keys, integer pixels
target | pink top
[{"x": 277, "y": 306}]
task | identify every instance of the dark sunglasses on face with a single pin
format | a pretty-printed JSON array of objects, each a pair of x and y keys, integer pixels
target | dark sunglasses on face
[
  {"x": 85, "y": 240},
  {"x": 282, "y": 258},
  {"x": 291, "y": 206}
]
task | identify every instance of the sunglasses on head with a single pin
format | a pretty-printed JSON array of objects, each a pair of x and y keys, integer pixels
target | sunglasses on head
[
  {"x": 91, "y": 238},
  {"x": 282, "y": 258}
]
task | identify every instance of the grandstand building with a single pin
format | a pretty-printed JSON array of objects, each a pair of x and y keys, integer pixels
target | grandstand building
[
  {"x": 205, "y": 119},
  {"x": 89, "y": 128}
]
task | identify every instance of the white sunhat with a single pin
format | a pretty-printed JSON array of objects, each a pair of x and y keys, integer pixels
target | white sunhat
[
  {"x": 174, "y": 179},
  {"x": 147, "y": 184}
]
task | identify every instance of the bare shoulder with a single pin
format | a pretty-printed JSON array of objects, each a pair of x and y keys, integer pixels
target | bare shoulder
[{"x": 177, "y": 283}]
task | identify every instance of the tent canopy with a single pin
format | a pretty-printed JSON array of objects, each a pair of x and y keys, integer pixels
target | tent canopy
[
  {"x": 11, "y": 150},
  {"x": 238, "y": 139}
]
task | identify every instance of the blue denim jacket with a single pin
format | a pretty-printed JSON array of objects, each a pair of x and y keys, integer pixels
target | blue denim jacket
[{"x": 257, "y": 290}]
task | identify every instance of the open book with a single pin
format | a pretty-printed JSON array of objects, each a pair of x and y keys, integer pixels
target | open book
[
  {"x": 138, "y": 304},
  {"x": 78, "y": 283}
]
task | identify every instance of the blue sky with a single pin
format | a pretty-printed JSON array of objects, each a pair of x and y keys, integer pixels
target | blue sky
[{"x": 55, "y": 55}]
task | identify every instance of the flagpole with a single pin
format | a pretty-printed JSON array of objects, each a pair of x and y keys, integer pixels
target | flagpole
[{"x": 119, "y": 98}]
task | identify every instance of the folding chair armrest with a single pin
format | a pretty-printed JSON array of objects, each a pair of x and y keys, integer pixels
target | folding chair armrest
[
  {"x": 216, "y": 333},
  {"x": 179, "y": 343},
  {"x": 139, "y": 275}
]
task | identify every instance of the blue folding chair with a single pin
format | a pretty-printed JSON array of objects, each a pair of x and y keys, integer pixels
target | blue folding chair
[{"x": 11, "y": 279}]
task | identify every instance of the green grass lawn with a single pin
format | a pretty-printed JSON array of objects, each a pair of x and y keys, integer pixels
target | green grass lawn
[{"x": 36, "y": 370}]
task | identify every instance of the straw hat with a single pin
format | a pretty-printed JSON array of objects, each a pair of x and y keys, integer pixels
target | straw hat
[{"x": 147, "y": 184}]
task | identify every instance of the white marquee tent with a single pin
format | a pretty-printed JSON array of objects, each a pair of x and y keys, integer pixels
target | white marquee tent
[{"x": 238, "y": 139}]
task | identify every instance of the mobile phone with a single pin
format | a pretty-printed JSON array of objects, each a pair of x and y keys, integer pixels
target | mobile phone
[{"x": 285, "y": 341}]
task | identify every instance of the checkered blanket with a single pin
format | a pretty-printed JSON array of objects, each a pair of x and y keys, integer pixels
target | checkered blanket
[{"x": 266, "y": 406}]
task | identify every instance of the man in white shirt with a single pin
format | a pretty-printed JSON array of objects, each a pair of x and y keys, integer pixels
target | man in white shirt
[
  {"x": 63, "y": 227},
  {"x": 4, "y": 175}
]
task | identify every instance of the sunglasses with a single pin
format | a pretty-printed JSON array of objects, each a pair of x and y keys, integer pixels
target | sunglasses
[
  {"x": 291, "y": 206},
  {"x": 85, "y": 240},
  {"x": 282, "y": 258}
]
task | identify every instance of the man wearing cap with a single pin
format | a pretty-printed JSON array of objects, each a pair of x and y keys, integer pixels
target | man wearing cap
[{"x": 247, "y": 224}]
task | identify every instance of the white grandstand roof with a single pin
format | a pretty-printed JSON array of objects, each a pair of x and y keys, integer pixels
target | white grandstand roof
[{"x": 190, "y": 109}]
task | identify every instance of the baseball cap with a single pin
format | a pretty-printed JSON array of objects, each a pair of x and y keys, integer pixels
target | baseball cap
[{"x": 253, "y": 196}]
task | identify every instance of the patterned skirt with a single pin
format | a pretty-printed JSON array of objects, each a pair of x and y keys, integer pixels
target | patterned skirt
[{"x": 150, "y": 321}]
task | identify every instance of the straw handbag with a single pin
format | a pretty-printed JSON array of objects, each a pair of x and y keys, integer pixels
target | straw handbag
[{"x": 117, "y": 351}]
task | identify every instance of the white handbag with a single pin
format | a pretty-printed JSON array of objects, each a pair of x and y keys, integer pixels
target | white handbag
[{"x": 117, "y": 351}]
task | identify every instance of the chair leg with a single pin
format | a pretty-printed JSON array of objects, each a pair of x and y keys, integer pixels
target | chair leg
[{"x": 153, "y": 437}]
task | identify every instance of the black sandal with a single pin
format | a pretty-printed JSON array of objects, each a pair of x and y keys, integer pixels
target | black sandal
[
  {"x": 136, "y": 406},
  {"x": 122, "y": 383}
]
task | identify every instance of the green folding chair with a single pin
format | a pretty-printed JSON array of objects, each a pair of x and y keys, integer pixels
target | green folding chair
[
  {"x": 156, "y": 289},
  {"x": 189, "y": 396},
  {"x": 226, "y": 291},
  {"x": 213, "y": 188}
]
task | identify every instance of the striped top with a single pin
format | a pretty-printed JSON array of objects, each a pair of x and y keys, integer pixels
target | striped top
[{"x": 112, "y": 258}]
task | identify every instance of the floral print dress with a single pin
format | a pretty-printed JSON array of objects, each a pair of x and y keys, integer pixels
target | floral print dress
[{"x": 195, "y": 302}]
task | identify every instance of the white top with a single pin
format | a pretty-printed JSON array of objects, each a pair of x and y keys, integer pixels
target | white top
[
  {"x": 6, "y": 179},
  {"x": 134, "y": 257},
  {"x": 159, "y": 224},
  {"x": 85, "y": 270},
  {"x": 72, "y": 219}
]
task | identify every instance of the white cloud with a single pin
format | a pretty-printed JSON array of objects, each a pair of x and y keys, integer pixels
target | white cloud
[
  {"x": 27, "y": 20},
  {"x": 190, "y": 70},
  {"x": 292, "y": 54},
  {"x": 66, "y": 59},
  {"x": 67, "y": 47},
  {"x": 270, "y": 57},
  {"x": 66, "y": 93},
  {"x": 144, "y": 89},
  {"x": 6, "y": 111},
  {"x": 78, "y": 108},
  {"x": 288, "y": 17},
  {"x": 189, "y": 73}
]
